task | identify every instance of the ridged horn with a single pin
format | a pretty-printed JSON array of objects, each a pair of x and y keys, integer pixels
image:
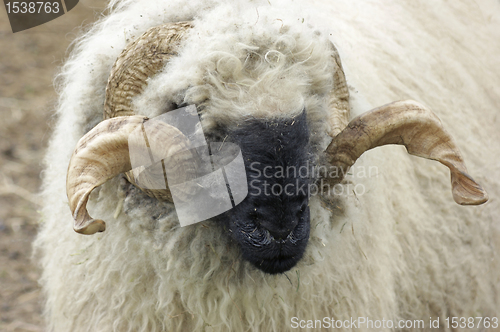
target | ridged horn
[
  {"x": 103, "y": 153},
  {"x": 142, "y": 59},
  {"x": 339, "y": 97},
  {"x": 416, "y": 127}
]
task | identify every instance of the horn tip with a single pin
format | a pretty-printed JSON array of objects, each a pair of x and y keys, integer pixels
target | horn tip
[
  {"x": 478, "y": 198},
  {"x": 90, "y": 227},
  {"x": 466, "y": 191}
]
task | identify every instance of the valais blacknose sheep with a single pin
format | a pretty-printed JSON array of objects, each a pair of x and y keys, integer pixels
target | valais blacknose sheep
[{"x": 327, "y": 235}]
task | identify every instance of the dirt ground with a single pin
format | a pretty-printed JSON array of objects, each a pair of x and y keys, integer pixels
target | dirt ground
[{"x": 28, "y": 62}]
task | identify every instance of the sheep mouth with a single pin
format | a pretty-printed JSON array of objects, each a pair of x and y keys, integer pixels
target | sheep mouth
[
  {"x": 277, "y": 265},
  {"x": 267, "y": 253}
]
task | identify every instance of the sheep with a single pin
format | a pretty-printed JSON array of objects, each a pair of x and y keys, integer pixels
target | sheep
[{"x": 391, "y": 246}]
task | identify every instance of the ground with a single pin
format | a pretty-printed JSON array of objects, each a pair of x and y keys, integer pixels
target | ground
[{"x": 28, "y": 62}]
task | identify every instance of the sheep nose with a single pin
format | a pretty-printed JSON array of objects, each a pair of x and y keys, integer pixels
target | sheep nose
[{"x": 280, "y": 231}]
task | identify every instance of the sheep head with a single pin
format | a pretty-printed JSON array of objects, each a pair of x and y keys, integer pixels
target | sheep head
[{"x": 271, "y": 228}]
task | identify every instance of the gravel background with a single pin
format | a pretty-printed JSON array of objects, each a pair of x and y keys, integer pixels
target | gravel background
[{"x": 28, "y": 62}]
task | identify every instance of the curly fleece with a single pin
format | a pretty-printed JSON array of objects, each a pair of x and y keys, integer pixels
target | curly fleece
[{"x": 390, "y": 245}]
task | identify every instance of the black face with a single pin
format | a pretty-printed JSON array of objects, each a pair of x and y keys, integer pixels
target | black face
[{"x": 271, "y": 225}]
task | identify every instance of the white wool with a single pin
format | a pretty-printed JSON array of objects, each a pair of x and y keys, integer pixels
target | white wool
[{"x": 393, "y": 245}]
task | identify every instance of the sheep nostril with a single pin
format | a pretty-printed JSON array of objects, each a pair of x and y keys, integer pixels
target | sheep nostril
[{"x": 281, "y": 233}]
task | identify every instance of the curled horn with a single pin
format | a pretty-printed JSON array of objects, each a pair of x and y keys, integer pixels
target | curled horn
[
  {"x": 142, "y": 59},
  {"x": 416, "y": 127},
  {"x": 104, "y": 151}
]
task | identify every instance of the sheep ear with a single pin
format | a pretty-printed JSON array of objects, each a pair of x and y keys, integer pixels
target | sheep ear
[
  {"x": 416, "y": 127},
  {"x": 106, "y": 151}
]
